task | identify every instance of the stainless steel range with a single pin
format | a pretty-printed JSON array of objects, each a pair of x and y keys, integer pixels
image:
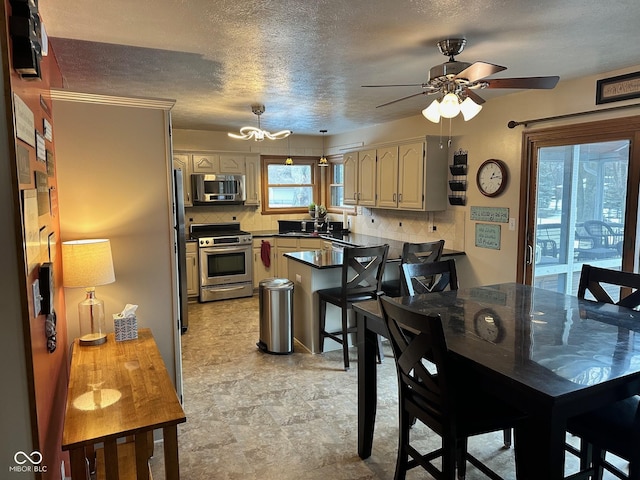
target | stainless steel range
[{"x": 226, "y": 268}]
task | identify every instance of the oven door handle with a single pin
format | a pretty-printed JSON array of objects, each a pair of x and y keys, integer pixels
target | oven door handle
[{"x": 214, "y": 250}]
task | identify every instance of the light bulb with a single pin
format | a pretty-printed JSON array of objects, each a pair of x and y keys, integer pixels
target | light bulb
[
  {"x": 432, "y": 112},
  {"x": 288, "y": 161},
  {"x": 469, "y": 109},
  {"x": 449, "y": 107}
]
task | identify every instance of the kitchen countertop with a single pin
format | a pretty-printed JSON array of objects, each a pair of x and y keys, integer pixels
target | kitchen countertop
[{"x": 353, "y": 240}]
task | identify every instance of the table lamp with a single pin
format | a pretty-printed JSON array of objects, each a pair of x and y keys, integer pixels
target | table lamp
[{"x": 88, "y": 263}]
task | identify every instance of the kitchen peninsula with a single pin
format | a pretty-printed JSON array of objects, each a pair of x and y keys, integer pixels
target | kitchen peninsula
[{"x": 311, "y": 271}]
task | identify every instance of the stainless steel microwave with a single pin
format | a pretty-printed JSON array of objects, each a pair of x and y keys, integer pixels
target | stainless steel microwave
[{"x": 209, "y": 188}]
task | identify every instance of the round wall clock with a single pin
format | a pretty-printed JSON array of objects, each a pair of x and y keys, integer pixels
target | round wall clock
[
  {"x": 492, "y": 177},
  {"x": 488, "y": 325}
]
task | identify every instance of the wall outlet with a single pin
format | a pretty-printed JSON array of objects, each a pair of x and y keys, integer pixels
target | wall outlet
[
  {"x": 298, "y": 278},
  {"x": 359, "y": 210},
  {"x": 512, "y": 223}
]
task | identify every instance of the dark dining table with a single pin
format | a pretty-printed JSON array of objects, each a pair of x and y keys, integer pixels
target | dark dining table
[{"x": 551, "y": 355}]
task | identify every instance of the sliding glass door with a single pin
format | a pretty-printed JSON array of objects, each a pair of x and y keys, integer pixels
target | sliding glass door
[
  {"x": 582, "y": 198},
  {"x": 580, "y": 206}
]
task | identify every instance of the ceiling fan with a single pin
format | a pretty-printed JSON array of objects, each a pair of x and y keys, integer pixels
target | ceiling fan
[{"x": 462, "y": 79}]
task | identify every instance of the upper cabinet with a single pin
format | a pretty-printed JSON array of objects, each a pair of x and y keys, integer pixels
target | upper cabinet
[
  {"x": 182, "y": 161},
  {"x": 223, "y": 163},
  {"x": 360, "y": 178},
  {"x": 209, "y": 163},
  {"x": 252, "y": 180},
  {"x": 405, "y": 176}
]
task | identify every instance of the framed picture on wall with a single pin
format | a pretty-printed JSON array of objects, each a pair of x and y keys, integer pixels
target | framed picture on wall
[{"x": 616, "y": 89}]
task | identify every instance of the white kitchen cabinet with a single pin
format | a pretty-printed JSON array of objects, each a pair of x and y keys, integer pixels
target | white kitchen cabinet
[
  {"x": 401, "y": 179},
  {"x": 252, "y": 180},
  {"x": 232, "y": 164},
  {"x": 260, "y": 271},
  {"x": 206, "y": 163},
  {"x": 193, "y": 277},
  {"x": 284, "y": 245},
  {"x": 405, "y": 176},
  {"x": 387, "y": 184},
  {"x": 360, "y": 178},
  {"x": 182, "y": 161}
]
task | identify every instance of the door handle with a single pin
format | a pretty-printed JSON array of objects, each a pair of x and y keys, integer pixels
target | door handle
[{"x": 529, "y": 254}]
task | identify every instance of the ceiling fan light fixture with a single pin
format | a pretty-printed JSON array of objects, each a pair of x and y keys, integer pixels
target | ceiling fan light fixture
[
  {"x": 258, "y": 134},
  {"x": 469, "y": 109},
  {"x": 450, "y": 106},
  {"x": 432, "y": 112}
]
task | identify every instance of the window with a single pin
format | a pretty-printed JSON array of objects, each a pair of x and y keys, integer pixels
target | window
[
  {"x": 336, "y": 186},
  {"x": 288, "y": 188}
]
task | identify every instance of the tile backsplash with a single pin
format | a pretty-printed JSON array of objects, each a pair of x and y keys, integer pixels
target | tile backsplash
[{"x": 393, "y": 224}]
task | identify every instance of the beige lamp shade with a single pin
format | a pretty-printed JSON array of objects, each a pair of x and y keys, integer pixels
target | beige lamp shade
[{"x": 87, "y": 263}]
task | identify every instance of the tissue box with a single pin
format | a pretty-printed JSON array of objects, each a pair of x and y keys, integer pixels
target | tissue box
[{"x": 126, "y": 328}]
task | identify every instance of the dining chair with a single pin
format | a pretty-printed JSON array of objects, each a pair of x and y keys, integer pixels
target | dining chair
[
  {"x": 613, "y": 428},
  {"x": 595, "y": 280},
  {"x": 418, "y": 278},
  {"x": 362, "y": 269},
  {"x": 424, "y": 252},
  {"x": 443, "y": 399}
]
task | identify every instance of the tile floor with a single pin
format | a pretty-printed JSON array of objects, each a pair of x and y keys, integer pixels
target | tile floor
[{"x": 255, "y": 416}]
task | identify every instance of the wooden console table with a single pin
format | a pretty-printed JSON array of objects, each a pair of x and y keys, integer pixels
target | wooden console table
[{"x": 118, "y": 390}]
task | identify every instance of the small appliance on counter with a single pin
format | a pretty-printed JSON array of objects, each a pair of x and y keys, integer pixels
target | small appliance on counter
[{"x": 225, "y": 258}]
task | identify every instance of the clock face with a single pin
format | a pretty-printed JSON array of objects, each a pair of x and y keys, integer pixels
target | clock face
[
  {"x": 488, "y": 325},
  {"x": 492, "y": 178}
]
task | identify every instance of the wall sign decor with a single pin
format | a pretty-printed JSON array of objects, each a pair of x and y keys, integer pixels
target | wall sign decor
[
  {"x": 51, "y": 166},
  {"x": 31, "y": 228},
  {"x": 616, "y": 89},
  {"x": 41, "y": 150},
  {"x": 490, "y": 214},
  {"x": 42, "y": 187},
  {"x": 488, "y": 236},
  {"x": 24, "y": 169},
  {"x": 25, "y": 123}
]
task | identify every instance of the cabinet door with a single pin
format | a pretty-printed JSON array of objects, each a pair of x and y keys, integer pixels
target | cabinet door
[
  {"x": 283, "y": 269},
  {"x": 252, "y": 181},
  {"x": 411, "y": 176},
  {"x": 367, "y": 178},
  {"x": 193, "y": 283},
  {"x": 231, "y": 164},
  {"x": 387, "y": 191},
  {"x": 307, "y": 244},
  {"x": 206, "y": 163},
  {"x": 260, "y": 271},
  {"x": 182, "y": 161},
  {"x": 350, "y": 178}
]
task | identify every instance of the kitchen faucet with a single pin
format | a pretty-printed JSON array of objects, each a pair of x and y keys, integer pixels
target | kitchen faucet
[{"x": 317, "y": 225}]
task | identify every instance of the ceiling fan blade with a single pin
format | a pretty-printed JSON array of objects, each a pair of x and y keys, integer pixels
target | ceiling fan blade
[
  {"x": 525, "y": 82},
  {"x": 400, "y": 99},
  {"x": 402, "y": 85},
  {"x": 479, "y": 70},
  {"x": 474, "y": 96}
]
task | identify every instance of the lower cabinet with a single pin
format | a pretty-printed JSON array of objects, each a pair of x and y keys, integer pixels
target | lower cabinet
[
  {"x": 260, "y": 270},
  {"x": 193, "y": 277}
]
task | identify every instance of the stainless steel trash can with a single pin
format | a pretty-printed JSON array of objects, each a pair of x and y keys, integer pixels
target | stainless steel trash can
[{"x": 276, "y": 315}]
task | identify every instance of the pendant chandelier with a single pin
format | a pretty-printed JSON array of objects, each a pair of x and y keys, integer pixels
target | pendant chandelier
[
  {"x": 323, "y": 160},
  {"x": 258, "y": 134},
  {"x": 289, "y": 160}
]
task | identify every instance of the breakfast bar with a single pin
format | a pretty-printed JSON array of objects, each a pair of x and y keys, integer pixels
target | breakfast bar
[{"x": 311, "y": 271}]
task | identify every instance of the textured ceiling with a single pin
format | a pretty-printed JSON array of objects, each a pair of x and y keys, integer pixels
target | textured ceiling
[{"x": 306, "y": 60}]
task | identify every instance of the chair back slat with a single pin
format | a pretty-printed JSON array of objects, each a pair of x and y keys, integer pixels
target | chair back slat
[
  {"x": 595, "y": 279},
  {"x": 422, "y": 252},
  {"x": 362, "y": 269},
  {"x": 420, "y": 278}
]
